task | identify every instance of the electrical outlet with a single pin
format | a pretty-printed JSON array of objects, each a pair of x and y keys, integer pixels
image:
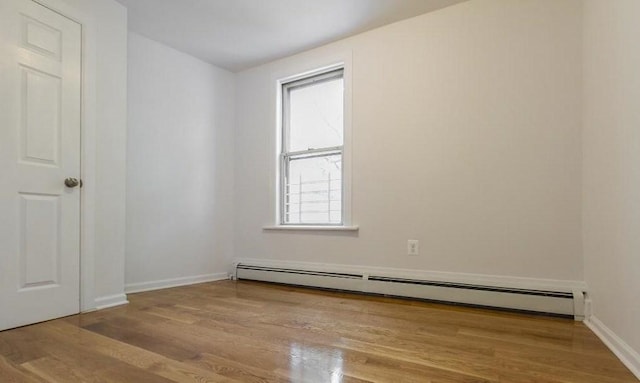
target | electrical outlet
[{"x": 413, "y": 247}]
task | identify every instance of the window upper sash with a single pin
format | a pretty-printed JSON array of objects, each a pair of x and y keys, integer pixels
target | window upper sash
[{"x": 287, "y": 87}]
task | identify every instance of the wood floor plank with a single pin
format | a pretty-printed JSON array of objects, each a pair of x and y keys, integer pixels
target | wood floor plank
[
  {"x": 134, "y": 356},
  {"x": 17, "y": 346},
  {"x": 10, "y": 373},
  {"x": 51, "y": 369},
  {"x": 254, "y": 332}
]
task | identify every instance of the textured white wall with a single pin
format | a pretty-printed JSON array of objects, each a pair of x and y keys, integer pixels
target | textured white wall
[
  {"x": 612, "y": 165},
  {"x": 466, "y": 136},
  {"x": 179, "y": 173}
]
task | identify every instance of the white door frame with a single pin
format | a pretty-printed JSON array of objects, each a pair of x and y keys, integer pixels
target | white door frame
[{"x": 87, "y": 150}]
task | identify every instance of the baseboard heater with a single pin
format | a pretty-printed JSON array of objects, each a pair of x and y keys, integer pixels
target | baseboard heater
[{"x": 556, "y": 303}]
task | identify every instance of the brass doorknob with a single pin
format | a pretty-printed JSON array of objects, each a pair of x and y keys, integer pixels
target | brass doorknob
[{"x": 72, "y": 182}]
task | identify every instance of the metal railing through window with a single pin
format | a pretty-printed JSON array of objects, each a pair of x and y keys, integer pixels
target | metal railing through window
[{"x": 314, "y": 201}]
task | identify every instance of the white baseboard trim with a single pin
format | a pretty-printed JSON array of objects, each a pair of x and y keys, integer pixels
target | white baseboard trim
[
  {"x": 442, "y": 276},
  {"x": 624, "y": 352},
  {"x": 173, "y": 282},
  {"x": 111, "y": 301}
]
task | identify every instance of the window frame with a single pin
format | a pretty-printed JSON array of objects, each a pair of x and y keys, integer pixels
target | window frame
[{"x": 285, "y": 156}]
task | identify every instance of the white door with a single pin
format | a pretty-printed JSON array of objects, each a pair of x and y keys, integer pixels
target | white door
[{"x": 40, "y": 74}]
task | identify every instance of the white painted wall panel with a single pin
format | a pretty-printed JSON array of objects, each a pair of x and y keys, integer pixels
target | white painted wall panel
[
  {"x": 466, "y": 136},
  {"x": 611, "y": 168},
  {"x": 180, "y": 173},
  {"x": 108, "y": 78}
]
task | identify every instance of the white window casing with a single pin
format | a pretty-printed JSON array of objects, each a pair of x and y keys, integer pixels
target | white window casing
[{"x": 284, "y": 156}]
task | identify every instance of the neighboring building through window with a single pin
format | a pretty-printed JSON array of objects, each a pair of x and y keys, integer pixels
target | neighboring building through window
[{"x": 311, "y": 168}]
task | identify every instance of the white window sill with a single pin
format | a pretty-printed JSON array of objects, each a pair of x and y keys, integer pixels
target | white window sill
[{"x": 311, "y": 228}]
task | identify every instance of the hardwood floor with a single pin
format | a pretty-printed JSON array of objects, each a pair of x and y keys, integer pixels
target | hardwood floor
[{"x": 251, "y": 332}]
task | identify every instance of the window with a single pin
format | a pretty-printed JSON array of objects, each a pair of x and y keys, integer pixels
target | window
[{"x": 311, "y": 166}]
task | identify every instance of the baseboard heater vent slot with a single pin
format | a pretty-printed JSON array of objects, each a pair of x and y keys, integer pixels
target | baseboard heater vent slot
[
  {"x": 563, "y": 303},
  {"x": 474, "y": 287},
  {"x": 301, "y": 272}
]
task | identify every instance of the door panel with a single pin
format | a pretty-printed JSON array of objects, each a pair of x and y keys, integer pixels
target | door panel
[
  {"x": 41, "y": 38},
  {"x": 40, "y": 74},
  {"x": 41, "y": 113},
  {"x": 39, "y": 240}
]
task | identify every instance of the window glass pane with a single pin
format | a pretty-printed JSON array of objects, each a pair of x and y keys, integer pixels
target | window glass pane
[
  {"x": 316, "y": 115},
  {"x": 313, "y": 192}
]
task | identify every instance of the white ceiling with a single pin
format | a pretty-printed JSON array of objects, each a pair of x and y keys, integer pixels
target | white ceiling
[{"x": 238, "y": 34}]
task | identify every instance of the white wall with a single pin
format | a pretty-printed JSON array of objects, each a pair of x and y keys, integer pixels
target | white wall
[
  {"x": 612, "y": 170},
  {"x": 108, "y": 79},
  {"x": 179, "y": 175},
  {"x": 466, "y": 136}
]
